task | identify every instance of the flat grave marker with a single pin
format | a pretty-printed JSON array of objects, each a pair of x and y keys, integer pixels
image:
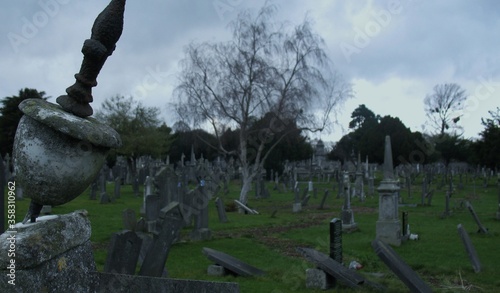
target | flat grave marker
[
  {"x": 231, "y": 263},
  {"x": 400, "y": 268},
  {"x": 246, "y": 208},
  {"x": 471, "y": 251}
]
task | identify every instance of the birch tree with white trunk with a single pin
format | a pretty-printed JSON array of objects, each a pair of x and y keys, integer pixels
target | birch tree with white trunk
[{"x": 266, "y": 67}]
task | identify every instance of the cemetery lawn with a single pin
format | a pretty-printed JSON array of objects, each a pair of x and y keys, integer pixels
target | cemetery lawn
[{"x": 269, "y": 243}]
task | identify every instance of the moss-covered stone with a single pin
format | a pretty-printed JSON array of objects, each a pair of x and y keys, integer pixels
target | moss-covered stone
[
  {"x": 50, "y": 236},
  {"x": 86, "y": 129}
]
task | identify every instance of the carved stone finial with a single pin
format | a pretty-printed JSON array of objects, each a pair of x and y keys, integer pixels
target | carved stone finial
[{"x": 106, "y": 31}]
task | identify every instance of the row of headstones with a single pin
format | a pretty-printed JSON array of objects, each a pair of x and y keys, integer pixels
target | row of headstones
[
  {"x": 330, "y": 267},
  {"x": 135, "y": 245}
]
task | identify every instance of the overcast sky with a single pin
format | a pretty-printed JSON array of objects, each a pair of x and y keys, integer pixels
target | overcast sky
[{"x": 392, "y": 52}]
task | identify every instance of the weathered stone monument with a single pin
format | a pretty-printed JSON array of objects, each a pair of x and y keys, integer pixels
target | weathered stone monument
[
  {"x": 59, "y": 151},
  {"x": 388, "y": 227}
]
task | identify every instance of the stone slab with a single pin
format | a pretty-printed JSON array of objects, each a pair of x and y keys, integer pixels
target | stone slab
[
  {"x": 231, "y": 263},
  {"x": 244, "y": 207},
  {"x": 414, "y": 283},
  {"x": 469, "y": 248}
]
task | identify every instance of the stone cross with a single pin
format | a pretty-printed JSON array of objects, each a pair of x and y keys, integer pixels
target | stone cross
[{"x": 388, "y": 227}]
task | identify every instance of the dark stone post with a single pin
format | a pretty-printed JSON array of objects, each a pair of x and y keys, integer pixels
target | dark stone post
[{"x": 336, "y": 240}]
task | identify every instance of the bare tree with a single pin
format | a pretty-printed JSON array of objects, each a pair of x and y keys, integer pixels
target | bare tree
[
  {"x": 264, "y": 68},
  {"x": 442, "y": 106}
]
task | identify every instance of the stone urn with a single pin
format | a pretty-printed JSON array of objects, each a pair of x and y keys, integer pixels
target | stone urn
[{"x": 57, "y": 154}]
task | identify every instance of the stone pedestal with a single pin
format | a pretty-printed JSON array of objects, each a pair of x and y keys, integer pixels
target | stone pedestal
[
  {"x": 318, "y": 279},
  {"x": 52, "y": 255},
  {"x": 388, "y": 227}
]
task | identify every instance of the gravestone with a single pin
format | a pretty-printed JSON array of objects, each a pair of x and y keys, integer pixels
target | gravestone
[
  {"x": 388, "y": 227},
  {"x": 304, "y": 193},
  {"x": 323, "y": 200},
  {"x": 93, "y": 190},
  {"x": 231, "y": 263},
  {"x": 341, "y": 274},
  {"x": 297, "y": 206},
  {"x": 347, "y": 214},
  {"x": 156, "y": 257},
  {"x": 8, "y": 173},
  {"x": 246, "y": 208},
  {"x": 152, "y": 207},
  {"x": 104, "y": 198},
  {"x": 359, "y": 187},
  {"x": 135, "y": 185},
  {"x": 429, "y": 197},
  {"x": 221, "y": 210},
  {"x": 447, "y": 211},
  {"x": 481, "y": 228},
  {"x": 118, "y": 184},
  {"x": 148, "y": 186},
  {"x": 305, "y": 200},
  {"x": 123, "y": 253},
  {"x": 469, "y": 248},
  {"x": 424, "y": 190},
  {"x": 340, "y": 181},
  {"x": 406, "y": 226},
  {"x": 371, "y": 182},
  {"x": 336, "y": 240},
  {"x": 201, "y": 230},
  {"x": 399, "y": 267},
  {"x": 129, "y": 220},
  {"x": 102, "y": 186}
]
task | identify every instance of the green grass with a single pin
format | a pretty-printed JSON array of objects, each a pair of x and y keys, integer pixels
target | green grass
[{"x": 268, "y": 243}]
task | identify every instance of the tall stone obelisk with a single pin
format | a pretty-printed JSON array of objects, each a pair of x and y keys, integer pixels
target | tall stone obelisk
[{"x": 388, "y": 228}]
